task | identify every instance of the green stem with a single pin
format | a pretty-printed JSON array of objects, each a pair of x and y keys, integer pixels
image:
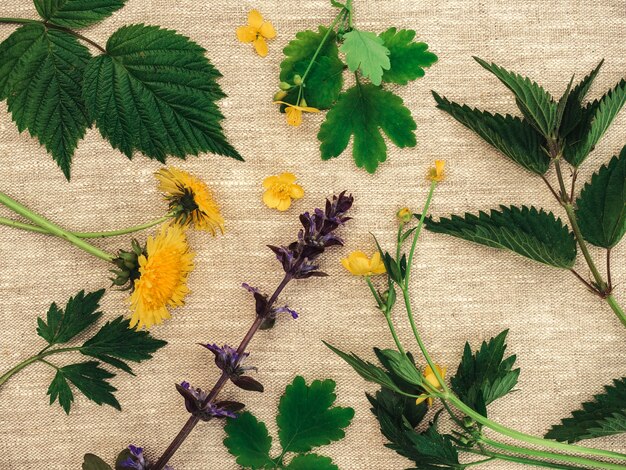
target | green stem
[
  {"x": 373, "y": 291},
  {"x": 416, "y": 235},
  {"x": 110, "y": 233},
  {"x": 37, "y": 358},
  {"x": 522, "y": 460},
  {"x": 619, "y": 311},
  {"x": 53, "y": 228},
  {"x": 394, "y": 334}
]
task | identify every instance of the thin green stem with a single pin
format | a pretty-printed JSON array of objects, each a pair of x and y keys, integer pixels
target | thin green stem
[
  {"x": 52, "y": 228},
  {"x": 394, "y": 334},
  {"x": 522, "y": 460},
  {"x": 559, "y": 173},
  {"x": 36, "y": 358},
  {"x": 478, "y": 462},
  {"x": 617, "y": 309},
  {"x": 416, "y": 235},
  {"x": 373, "y": 291}
]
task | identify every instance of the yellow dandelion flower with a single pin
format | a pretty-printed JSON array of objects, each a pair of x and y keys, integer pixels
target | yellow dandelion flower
[
  {"x": 162, "y": 281},
  {"x": 359, "y": 264},
  {"x": 256, "y": 32},
  {"x": 294, "y": 112},
  {"x": 280, "y": 190},
  {"x": 190, "y": 199},
  {"x": 437, "y": 173},
  {"x": 431, "y": 378}
]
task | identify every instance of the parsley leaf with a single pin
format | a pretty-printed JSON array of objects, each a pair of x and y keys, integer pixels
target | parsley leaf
[
  {"x": 366, "y": 52},
  {"x": 407, "y": 58},
  {"x": 249, "y": 441},
  {"x": 76, "y": 13},
  {"x": 363, "y": 111}
]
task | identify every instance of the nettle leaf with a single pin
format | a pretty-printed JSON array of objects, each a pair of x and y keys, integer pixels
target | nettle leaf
[
  {"x": 534, "y": 102},
  {"x": 486, "y": 375},
  {"x": 93, "y": 462},
  {"x": 311, "y": 462},
  {"x": 366, "y": 52},
  {"x": 601, "y": 207},
  {"x": 573, "y": 111},
  {"x": 155, "y": 92},
  {"x": 89, "y": 378},
  {"x": 532, "y": 233},
  {"x": 248, "y": 440},
  {"x": 512, "y": 136},
  {"x": 596, "y": 118},
  {"x": 117, "y": 340},
  {"x": 325, "y": 79},
  {"x": 407, "y": 58},
  {"x": 80, "y": 313},
  {"x": 307, "y": 418},
  {"x": 41, "y": 77},
  {"x": 604, "y": 416},
  {"x": 77, "y": 13},
  {"x": 363, "y": 111}
]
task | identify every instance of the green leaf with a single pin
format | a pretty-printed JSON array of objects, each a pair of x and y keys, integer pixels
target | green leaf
[
  {"x": 597, "y": 117},
  {"x": 155, "y": 92},
  {"x": 601, "y": 207},
  {"x": 325, "y": 79},
  {"x": 532, "y": 233},
  {"x": 534, "y": 102},
  {"x": 363, "y": 111},
  {"x": 93, "y": 462},
  {"x": 400, "y": 365},
  {"x": 366, "y": 52},
  {"x": 512, "y": 136},
  {"x": 604, "y": 416},
  {"x": 116, "y": 340},
  {"x": 311, "y": 462},
  {"x": 573, "y": 109},
  {"x": 77, "y": 13},
  {"x": 80, "y": 313},
  {"x": 307, "y": 418},
  {"x": 407, "y": 58},
  {"x": 248, "y": 440},
  {"x": 41, "y": 76},
  {"x": 485, "y": 376},
  {"x": 89, "y": 378}
]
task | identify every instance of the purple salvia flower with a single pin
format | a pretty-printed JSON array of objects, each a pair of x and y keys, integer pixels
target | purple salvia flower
[
  {"x": 249, "y": 288},
  {"x": 228, "y": 359},
  {"x": 195, "y": 400},
  {"x": 286, "y": 309},
  {"x": 136, "y": 460}
]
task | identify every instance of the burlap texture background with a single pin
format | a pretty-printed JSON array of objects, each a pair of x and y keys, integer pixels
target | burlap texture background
[{"x": 568, "y": 342}]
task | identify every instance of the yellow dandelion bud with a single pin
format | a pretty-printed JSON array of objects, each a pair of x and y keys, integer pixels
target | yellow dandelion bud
[
  {"x": 437, "y": 173},
  {"x": 256, "y": 32},
  {"x": 280, "y": 190},
  {"x": 359, "y": 264},
  {"x": 431, "y": 378},
  {"x": 404, "y": 215}
]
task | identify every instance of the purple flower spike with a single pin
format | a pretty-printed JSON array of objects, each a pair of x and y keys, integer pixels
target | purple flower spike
[
  {"x": 231, "y": 363},
  {"x": 288, "y": 310},
  {"x": 194, "y": 402},
  {"x": 135, "y": 459},
  {"x": 249, "y": 288}
]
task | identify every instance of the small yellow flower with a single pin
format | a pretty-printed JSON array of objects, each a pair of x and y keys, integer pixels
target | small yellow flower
[
  {"x": 190, "y": 199},
  {"x": 294, "y": 112},
  {"x": 280, "y": 190},
  {"x": 404, "y": 215},
  {"x": 437, "y": 172},
  {"x": 359, "y": 264},
  {"x": 257, "y": 31},
  {"x": 163, "y": 273},
  {"x": 431, "y": 378}
]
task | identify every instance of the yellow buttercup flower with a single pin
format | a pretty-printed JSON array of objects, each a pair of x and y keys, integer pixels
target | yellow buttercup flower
[
  {"x": 190, "y": 199},
  {"x": 431, "y": 378},
  {"x": 437, "y": 173},
  {"x": 294, "y": 112},
  {"x": 257, "y": 31},
  {"x": 359, "y": 264},
  {"x": 162, "y": 281},
  {"x": 280, "y": 190},
  {"x": 404, "y": 215}
]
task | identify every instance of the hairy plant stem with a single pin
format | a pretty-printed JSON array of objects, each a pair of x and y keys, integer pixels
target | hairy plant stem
[
  {"x": 36, "y": 358},
  {"x": 223, "y": 379},
  {"x": 52, "y": 228},
  {"x": 522, "y": 460}
]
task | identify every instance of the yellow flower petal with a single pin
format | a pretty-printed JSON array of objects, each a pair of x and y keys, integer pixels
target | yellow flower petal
[
  {"x": 260, "y": 46},
  {"x": 294, "y": 116},
  {"x": 246, "y": 34},
  {"x": 287, "y": 178},
  {"x": 270, "y": 199},
  {"x": 255, "y": 19},
  {"x": 270, "y": 181},
  {"x": 284, "y": 204},
  {"x": 280, "y": 190},
  {"x": 267, "y": 30},
  {"x": 297, "y": 192}
]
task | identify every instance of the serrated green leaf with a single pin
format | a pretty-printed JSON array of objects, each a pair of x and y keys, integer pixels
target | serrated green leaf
[
  {"x": 80, "y": 313},
  {"x": 601, "y": 207},
  {"x": 406, "y": 386},
  {"x": 400, "y": 364},
  {"x": 512, "y": 136},
  {"x": 604, "y": 416},
  {"x": 155, "y": 92},
  {"x": 307, "y": 418},
  {"x": 311, "y": 462},
  {"x": 248, "y": 440},
  {"x": 534, "y": 102},
  {"x": 77, "y": 13},
  {"x": 325, "y": 79},
  {"x": 596, "y": 118},
  {"x": 407, "y": 58},
  {"x": 532, "y": 233},
  {"x": 41, "y": 76},
  {"x": 573, "y": 109},
  {"x": 117, "y": 340},
  {"x": 366, "y": 52},
  {"x": 363, "y": 111},
  {"x": 89, "y": 378},
  {"x": 486, "y": 375},
  {"x": 93, "y": 462}
]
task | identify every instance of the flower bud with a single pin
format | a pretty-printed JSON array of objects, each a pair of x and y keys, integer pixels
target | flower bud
[
  {"x": 404, "y": 215},
  {"x": 284, "y": 86},
  {"x": 279, "y": 95},
  {"x": 297, "y": 80},
  {"x": 303, "y": 103}
]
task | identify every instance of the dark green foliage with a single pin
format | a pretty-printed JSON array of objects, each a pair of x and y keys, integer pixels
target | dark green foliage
[
  {"x": 249, "y": 441},
  {"x": 77, "y": 13},
  {"x": 408, "y": 58},
  {"x": 311, "y": 462},
  {"x": 93, "y": 462}
]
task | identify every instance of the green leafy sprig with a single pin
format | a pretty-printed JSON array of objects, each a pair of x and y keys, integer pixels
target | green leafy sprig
[
  {"x": 149, "y": 90},
  {"x": 312, "y": 72},
  {"x": 113, "y": 344}
]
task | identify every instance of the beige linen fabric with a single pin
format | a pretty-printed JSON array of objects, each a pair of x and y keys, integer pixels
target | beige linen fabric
[{"x": 568, "y": 342}]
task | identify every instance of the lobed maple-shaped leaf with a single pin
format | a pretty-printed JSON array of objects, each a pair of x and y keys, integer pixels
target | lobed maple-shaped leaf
[
  {"x": 363, "y": 111},
  {"x": 532, "y": 233},
  {"x": 604, "y": 416},
  {"x": 311, "y": 462},
  {"x": 366, "y": 52},
  {"x": 407, "y": 58},
  {"x": 76, "y": 13},
  {"x": 248, "y": 440}
]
